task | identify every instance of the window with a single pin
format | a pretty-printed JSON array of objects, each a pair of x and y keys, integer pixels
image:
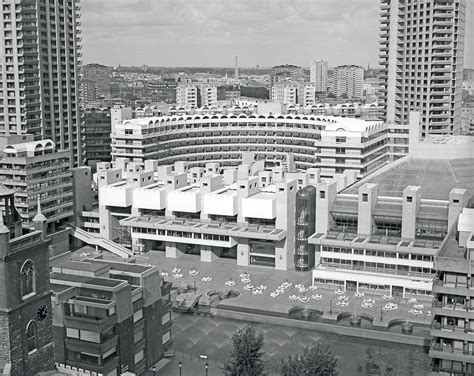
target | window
[
  {"x": 322, "y": 194},
  {"x": 409, "y": 199},
  {"x": 28, "y": 279},
  {"x": 166, "y": 337},
  {"x": 72, "y": 333},
  {"x": 166, "y": 318},
  {"x": 365, "y": 197},
  {"x": 139, "y": 356},
  {"x": 138, "y": 315},
  {"x": 138, "y": 335},
  {"x": 31, "y": 336}
]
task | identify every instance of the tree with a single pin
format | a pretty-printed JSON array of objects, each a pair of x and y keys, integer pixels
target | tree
[
  {"x": 246, "y": 357},
  {"x": 314, "y": 361}
]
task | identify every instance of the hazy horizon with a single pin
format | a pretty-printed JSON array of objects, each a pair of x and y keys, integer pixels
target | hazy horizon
[{"x": 180, "y": 33}]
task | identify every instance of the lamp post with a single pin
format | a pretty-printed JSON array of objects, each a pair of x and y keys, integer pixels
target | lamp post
[
  {"x": 207, "y": 368},
  {"x": 330, "y": 307},
  {"x": 180, "y": 364},
  {"x": 154, "y": 370},
  {"x": 381, "y": 313}
]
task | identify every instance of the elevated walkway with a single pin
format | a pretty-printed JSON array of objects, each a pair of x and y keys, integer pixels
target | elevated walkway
[{"x": 97, "y": 241}]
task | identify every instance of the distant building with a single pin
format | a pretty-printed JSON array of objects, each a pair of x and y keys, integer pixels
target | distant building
[
  {"x": 228, "y": 92},
  {"x": 348, "y": 81},
  {"x": 95, "y": 134},
  {"x": 101, "y": 75},
  {"x": 286, "y": 73},
  {"x": 467, "y": 118},
  {"x": 284, "y": 93},
  {"x": 165, "y": 90},
  {"x": 37, "y": 171},
  {"x": 88, "y": 91},
  {"x": 187, "y": 95},
  {"x": 207, "y": 95},
  {"x": 110, "y": 317},
  {"x": 318, "y": 75},
  {"x": 293, "y": 93},
  {"x": 422, "y": 58}
]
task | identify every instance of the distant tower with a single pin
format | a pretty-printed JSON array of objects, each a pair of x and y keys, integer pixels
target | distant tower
[{"x": 236, "y": 74}]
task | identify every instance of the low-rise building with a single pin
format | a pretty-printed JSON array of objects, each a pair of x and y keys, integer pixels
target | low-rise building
[{"x": 109, "y": 317}]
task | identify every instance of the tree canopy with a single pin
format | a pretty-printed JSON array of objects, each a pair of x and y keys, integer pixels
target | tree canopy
[
  {"x": 246, "y": 356},
  {"x": 314, "y": 361}
]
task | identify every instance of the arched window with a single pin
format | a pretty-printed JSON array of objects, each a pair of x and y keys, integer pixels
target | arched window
[
  {"x": 31, "y": 329},
  {"x": 28, "y": 278}
]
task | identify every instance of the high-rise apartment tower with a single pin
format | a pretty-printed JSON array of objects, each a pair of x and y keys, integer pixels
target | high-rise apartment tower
[
  {"x": 318, "y": 74},
  {"x": 39, "y": 45},
  {"x": 422, "y": 53}
]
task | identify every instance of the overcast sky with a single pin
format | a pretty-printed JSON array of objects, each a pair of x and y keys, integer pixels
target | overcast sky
[{"x": 212, "y": 32}]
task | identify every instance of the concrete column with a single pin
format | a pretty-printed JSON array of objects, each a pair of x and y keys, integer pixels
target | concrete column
[
  {"x": 243, "y": 252},
  {"x": 209, "y": 254},
  {"x": 174, "y": 250},
  {"x": 457, "y": 200},
  {"x": 410, "y": 206},
  {"x": 325, "y": 197},
  {"x": 367, "y": 199}
]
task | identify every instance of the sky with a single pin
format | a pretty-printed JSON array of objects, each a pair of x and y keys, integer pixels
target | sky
[{"x": 210, "y": 33}]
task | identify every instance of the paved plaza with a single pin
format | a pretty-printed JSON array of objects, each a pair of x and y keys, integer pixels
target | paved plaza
[{"x": 223, "y": 274}]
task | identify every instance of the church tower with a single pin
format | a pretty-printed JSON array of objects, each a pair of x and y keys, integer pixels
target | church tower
[{"x": 26, "y": 340}]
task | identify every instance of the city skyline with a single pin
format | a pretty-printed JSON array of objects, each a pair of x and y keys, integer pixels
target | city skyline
[{"x": 178, "y": 33}]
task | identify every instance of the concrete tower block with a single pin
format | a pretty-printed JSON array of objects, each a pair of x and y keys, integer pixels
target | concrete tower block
[
  {"x": 243, "y": 171},
  {"x": 410, "y": 206},
  {"x": 278, "y": 173},
  {"x": 230, "y": 176},
  {"x": 246, "y": 188},
  {"x": 457, "y": 200},
  {"x": 108, "y": 176},
  {"x": 180, "y": 167},
  {"x": 314, "y": 175},
  {"x": 212, "y": 168},
  {"x": 195, "y": 174},
  {"x": 151, "y": 165},
  {"x": 209, "y": 184},
  {"x": 173, "y": 182},
  {"x": 164, "y": 171},
  {"x": 265, "y": 178},
  {"x": 325, "y": 197},
  {"x": 367, "y": 199}
]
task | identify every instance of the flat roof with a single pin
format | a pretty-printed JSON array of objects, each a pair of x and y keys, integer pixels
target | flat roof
[
  {"x": 435, "y": 177},
  {"x": 121, "y": 266},
  {"x": 263, "y": 196}
]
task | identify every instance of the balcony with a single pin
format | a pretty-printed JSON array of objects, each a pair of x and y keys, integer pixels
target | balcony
[
  {"x": 97, "y": 324},
  {"x": 91, "y": 347},
  {"x": 439, "y": 351}
]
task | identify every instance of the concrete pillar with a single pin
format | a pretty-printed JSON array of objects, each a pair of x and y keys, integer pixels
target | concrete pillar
[
  {"x": 367, "y": 199},
  {"x": 209, "y": 254},
  {"x": 174, "y": 250},
  {"x": 457, "y": 200},
  {"x": 410, "y": 206},
  {"x": 325, "y": 197},
  {"x": 243, "y": 252},
  {"x": 285, "y": 220}
]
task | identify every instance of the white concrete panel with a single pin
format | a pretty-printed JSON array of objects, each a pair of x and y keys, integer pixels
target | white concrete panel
[
  {"x": 262, "y": 205},
  {"x": 119, "y": 194},
  {"x": 154, "y": 198},
  {"x": 223, "y": 203},
  {"x": 186, "y": 200}
]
